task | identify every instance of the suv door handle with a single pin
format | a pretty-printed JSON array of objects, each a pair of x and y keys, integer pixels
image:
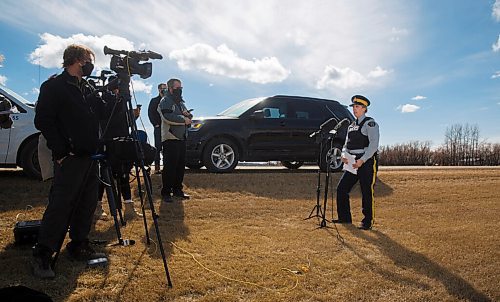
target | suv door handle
[{"x": 282, "y": 124}]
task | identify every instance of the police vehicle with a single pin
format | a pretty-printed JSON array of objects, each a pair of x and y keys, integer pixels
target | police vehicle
[{"x": 19, "y": 143}]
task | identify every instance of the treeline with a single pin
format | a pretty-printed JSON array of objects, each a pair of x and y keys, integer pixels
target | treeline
[{"x": 462, "y": 147}]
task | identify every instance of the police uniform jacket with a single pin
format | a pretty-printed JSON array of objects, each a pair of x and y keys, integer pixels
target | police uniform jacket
[
  {"x": 362, "y": 138},
  {"x": 172, "y": 126},
  {"x": 66, "y": 116}
]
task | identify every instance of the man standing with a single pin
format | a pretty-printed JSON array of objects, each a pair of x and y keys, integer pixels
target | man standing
[
  {"x": 66, "y": 116},
  {"x": 361, "y": 144},
  {"x": 175, "y": 121},
  {"x": 155, "y": 120}
]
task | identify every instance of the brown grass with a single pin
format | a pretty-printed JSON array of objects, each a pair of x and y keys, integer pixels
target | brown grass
[{"x": 243, "y": 237}]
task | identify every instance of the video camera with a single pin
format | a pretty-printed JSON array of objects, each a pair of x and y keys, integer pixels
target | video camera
[{"x": 123, "y": 61}]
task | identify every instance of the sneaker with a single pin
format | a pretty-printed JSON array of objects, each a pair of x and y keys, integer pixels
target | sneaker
[
  {"x": 99, "y": 213},
  {"x": 41, "y": 262},
  {"x": 82, "y": 251},
  {"x": 130, "y": 212},
  {"x": 181, "y": 195}
]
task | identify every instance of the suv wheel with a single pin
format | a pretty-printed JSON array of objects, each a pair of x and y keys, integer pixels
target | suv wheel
[
  {"x": 220, "y": 155},
  {"x": 29, "y": 159},
  {"x": 331, "y": 158},
  {"x": 292, "y": 164}
]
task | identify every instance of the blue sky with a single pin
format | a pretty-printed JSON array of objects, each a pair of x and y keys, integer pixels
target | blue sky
[{"x": 425, "y": 65}]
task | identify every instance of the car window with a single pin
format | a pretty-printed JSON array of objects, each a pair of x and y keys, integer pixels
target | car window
[
  {"x": 306, "y": 110},
  {"x": 273, "y": 109},
  {"x": 240, "y": 108}
]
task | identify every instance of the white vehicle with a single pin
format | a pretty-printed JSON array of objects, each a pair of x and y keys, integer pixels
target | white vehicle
[{"x": 19, "y": 144}]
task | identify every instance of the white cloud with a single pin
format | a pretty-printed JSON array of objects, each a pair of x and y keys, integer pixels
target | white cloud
[
  {"x": 397, "y": 33},
  {"x": 3, "y": 79},
  {"x": 408, "y": 108},
  {"x": 141, "y": 86},
  {"x": 496, "y": 75},
  {"x": 49, "y": 54},
  {"x": 496, "y": 10},
  {"x": 224, "y": 61},
  {"x": 344, "y": 78},
  {"x": 305, "y": 36},
  {"x": 347, "y": 78},
  {"x": 496, "y": 46},
  {"x": 377, "y": 72},
  {"x": 418, "y": 98}
]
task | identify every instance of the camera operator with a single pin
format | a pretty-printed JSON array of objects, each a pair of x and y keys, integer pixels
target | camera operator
[
  {"x": 66, "y": 116},
  {"x": 175, "y": 122},
  {"x": 155, "y": 120},
  {"x": 117, "y": 126}
]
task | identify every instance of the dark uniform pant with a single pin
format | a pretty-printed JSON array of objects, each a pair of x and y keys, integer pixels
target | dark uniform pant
[
  {"x": 157, "y": 136},
  {"x": 73, "y": 195},
  {"x": 174, "y": 162},
  {"x": 367, "y": 174}
]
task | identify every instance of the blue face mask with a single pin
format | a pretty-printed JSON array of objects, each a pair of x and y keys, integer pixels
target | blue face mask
[{"x": 164, "y": 91}]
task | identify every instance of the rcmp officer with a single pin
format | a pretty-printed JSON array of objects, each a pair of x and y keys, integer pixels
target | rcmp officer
[{"x": 362, "y": 143}]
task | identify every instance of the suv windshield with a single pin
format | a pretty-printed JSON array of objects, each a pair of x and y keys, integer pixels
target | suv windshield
[
  {"x": 240, "y": 108},
  {"x": 11, "y": 93}
]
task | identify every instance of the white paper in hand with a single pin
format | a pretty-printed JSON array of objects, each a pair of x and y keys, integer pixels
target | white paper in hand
[{"x": 351, "y": 159}]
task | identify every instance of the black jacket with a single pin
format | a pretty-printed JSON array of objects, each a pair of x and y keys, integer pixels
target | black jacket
[
  {"x": 68, "y": 117},
  {"x": 154, "y": 116}
]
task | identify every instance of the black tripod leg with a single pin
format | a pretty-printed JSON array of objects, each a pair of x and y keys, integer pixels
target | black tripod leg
[
  {"x": 317, "y": 207},
  {"x": 110, "y": 192},
  {"x": 149, "y": 195},
  {"x": 117, "y": 197},
  {"x": 139, "y": 188}
]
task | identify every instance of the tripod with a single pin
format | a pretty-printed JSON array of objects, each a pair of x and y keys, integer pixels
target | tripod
[
  {"x": 317, "y": 206},
  {"x": 331, "y": 162},
  {"x": 113, "y": 196},
  {"x": 321, "y": 211},
  {"x": 141, "y": 169}
]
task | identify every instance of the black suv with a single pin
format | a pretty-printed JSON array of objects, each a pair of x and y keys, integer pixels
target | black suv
[{"x": 276, "y": 128}]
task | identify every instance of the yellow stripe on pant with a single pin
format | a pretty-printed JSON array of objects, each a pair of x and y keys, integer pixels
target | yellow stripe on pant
[{"x": 373, "y": 184}]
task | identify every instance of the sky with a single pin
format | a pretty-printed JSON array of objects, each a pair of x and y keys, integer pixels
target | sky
[{"x": 424, "y": 65}]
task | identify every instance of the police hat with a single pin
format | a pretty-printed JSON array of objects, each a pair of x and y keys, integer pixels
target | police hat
[{"x": 360, "y": 100}]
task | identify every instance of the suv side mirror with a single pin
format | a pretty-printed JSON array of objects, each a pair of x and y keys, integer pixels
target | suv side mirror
[{"x": 257, "y": 114}]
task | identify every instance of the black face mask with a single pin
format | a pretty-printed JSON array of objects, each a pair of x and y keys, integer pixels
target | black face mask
[
  {"x": 177, "y": 94},
  {"x": 87, "y": 69}
]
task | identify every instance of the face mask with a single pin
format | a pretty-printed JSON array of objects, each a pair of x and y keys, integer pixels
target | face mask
[
  {"x": 164, "y": 91},
  {"x": 87, "y": 69},
  {"x": 177, "y": 94}
]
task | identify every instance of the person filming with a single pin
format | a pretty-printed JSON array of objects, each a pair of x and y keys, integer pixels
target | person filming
[{"x": 67, "y": 116}]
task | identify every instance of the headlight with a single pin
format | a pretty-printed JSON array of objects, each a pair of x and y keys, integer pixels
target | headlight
[{"x": 195, "y": 126}]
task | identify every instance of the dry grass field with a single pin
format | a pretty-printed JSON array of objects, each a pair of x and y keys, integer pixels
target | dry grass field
[{"x": 243, "y": 237}]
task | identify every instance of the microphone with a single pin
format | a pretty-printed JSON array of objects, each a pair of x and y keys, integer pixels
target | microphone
[{"x": 339, "y": 124}]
